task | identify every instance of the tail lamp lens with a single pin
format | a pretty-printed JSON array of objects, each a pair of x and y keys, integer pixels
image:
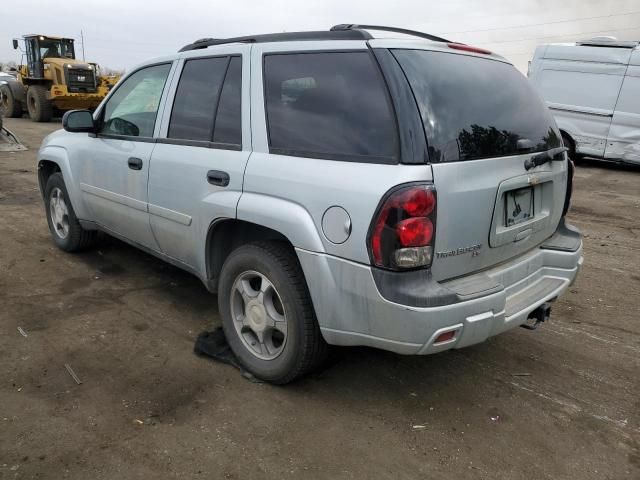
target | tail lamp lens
[
  {"x": 402, "y": 232},
  {"x": 417, "y": 202},
  {"x": 415, "y": 232}
]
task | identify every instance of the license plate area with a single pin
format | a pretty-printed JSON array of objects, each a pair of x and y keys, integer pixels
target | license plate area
[
  {"x": 533, "y": 219},
  {"x": 518, "y": 206}
]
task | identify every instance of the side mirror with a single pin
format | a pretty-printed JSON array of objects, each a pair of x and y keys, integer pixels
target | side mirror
[
  {"x": 78, "y": 121},
  {"x": 15, "y": 44}
]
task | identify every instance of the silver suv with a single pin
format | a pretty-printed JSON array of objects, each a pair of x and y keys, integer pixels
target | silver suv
[{"x": 331, "y": 187}]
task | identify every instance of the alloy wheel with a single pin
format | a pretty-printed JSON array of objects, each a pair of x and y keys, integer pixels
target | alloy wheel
[{"x": 258, "y": 315}]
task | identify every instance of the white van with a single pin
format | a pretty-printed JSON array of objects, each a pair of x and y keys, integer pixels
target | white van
[{"x": 593, "y": 90}]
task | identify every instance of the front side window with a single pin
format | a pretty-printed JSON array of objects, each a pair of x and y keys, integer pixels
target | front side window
[
  {"x": 133, "y": 107},
  {"x": 330, "y": 105},
  {"x": 475, "y": 107}
]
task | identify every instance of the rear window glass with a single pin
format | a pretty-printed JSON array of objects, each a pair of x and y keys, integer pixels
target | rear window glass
[
  {"x": 476, "y": 108},
  {"x": 330, "y": 105}
]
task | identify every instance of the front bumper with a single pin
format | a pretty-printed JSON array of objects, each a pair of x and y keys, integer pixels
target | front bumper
[
  {"x": 65, "y": 100},
  {"x": 352, "y": 311}
]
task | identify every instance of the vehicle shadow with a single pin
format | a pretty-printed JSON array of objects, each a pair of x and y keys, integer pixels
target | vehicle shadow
[
  {"x": 610, "y": 165},
  {"x": 356, "y": 371}
]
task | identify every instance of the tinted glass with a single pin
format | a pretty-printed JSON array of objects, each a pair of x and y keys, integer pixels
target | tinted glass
[
  {"x": 196, "y": 99},
  {"x": 332, "y": 105},
  {"x": 476, "y": 108},
  {"x": 228, "y": 128},
  {"x": 133, "y": 107}
]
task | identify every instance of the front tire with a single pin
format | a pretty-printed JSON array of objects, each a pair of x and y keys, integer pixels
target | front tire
[
  {"x": 66, "y": 231},
  {"x": 10, "y": 106},
  {"x": 267, "y": 314},
  {"x": 39, "y": 106}
]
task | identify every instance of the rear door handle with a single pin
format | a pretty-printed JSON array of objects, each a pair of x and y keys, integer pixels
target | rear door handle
[
  {"x": 135, "y": 163},
  {"x": 216, "y": 177}
]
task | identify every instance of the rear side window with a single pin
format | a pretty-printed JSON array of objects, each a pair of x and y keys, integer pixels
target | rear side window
[
  {"x": 475, "y": 107},
  {"x": 207, "y": 103},
  {"x": 329, "y": 105}
]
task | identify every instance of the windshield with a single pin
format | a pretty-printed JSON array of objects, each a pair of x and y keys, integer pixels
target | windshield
[
  {"x": 475, "y": 108},
  {"x": 56, "y": 49}
]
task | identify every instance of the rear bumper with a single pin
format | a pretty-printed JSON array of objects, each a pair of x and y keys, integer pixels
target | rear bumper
[{"x": 352, "y": 311}]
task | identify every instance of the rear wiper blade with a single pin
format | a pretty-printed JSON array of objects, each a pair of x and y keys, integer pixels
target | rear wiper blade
[{"x": 544, "y": 157}]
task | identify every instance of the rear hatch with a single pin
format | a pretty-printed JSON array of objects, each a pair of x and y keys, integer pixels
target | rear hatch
[{"x": 483, "y": 121}]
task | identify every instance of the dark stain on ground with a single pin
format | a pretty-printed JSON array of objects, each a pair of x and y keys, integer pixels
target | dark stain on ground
[
  {"x": 73, "y": 284},
  {"x": 190, "y": 294},
  {"x": 111, "y": 269},
  {"x": 38, "y": 315}
]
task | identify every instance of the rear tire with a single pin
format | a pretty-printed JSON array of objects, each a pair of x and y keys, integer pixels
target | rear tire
[
  {"x": 270, "y": 269},
  {"x": 571, "y": 145},
  {"x": 66, "y": 231},
  {"x": 39, "y": 106},
  {"x": 10, "y": 106}
]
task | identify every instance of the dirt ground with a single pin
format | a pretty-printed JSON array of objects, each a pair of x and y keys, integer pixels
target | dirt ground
[{"x": 149, "y": 408}]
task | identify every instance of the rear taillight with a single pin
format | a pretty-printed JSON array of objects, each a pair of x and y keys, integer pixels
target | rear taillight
[
  {"x": 403, "y": 230},
  {"x": 567, "y": 199}
]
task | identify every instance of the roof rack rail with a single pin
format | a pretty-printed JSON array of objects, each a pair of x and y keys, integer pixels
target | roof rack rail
[
  {"x": 344, "y": 34},
  {"x": 352, "y": 26}
]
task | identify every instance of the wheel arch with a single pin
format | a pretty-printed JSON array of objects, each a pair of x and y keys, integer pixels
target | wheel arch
[
  {"x": 53, "y": 159},
  {"x": 566, "y": 134},
  {"x": 46, "y": 168},
  {"x": 574, "y": 154},
  {"x": 225, "y": 235},
  {"x": 259, "y": 217}
]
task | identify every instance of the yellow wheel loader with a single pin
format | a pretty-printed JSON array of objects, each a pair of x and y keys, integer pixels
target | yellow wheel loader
[{"x": 52, "y": 80}]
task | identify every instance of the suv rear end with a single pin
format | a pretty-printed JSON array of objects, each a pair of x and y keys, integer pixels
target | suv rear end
[{"x": 435, "y": 235}]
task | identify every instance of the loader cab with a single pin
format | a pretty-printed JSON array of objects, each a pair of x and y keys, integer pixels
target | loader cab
[{"x": 40, "y": 47}]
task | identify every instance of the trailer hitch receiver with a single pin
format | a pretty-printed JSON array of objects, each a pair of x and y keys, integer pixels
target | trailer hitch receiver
[{"x": 539, "y": 315}]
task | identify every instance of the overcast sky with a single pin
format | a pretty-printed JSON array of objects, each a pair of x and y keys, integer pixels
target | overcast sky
[{"x": 121, "y": 33}]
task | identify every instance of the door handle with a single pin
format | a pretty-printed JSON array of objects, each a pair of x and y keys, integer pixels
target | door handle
[
  {"x": 135, "y": 163},
  {"x": 216, "y": 177}
]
